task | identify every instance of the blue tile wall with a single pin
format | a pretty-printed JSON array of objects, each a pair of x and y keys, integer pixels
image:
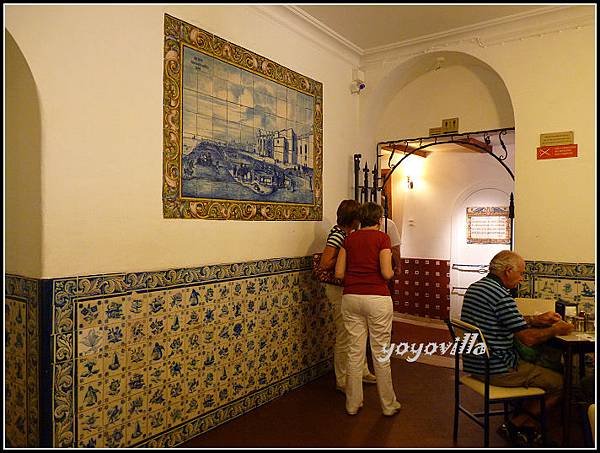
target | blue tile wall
[
  {"x": 21, "y": 361},
  {"x": 573, "y": 282},
  {"x": 153, "y": 359}
]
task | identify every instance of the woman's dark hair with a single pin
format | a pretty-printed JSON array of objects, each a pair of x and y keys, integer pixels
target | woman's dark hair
[
  {"x": 370, "y": 214},
  {"x": 347, "y": 212}
]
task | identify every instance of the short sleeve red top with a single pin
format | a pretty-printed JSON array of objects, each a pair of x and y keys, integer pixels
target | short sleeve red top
[{"x": 363, "y": 272}]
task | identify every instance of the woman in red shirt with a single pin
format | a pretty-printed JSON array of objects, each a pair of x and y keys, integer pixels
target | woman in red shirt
[{"x": 365, "y": 264}]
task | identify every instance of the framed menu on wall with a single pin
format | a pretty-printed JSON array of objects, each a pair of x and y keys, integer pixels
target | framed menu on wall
[{"x": 488, "y": 225}]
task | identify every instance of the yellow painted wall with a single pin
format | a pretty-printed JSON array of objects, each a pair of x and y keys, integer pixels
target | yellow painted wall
[
  {"x": 555, "y": 200},
  {"x": 548, "y": 68},
  {"x": 98, "y": 75},
  {"x": 22, "y": 152},
  {"x": 98, "y": 71}
]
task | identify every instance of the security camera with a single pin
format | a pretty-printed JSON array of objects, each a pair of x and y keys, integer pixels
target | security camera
[{"x": 357, "y": 86}]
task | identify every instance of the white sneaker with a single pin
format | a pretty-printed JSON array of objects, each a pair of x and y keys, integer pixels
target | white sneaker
[
  {"x": 369, "y": 379},
  {"x": 395, "y": 409}
]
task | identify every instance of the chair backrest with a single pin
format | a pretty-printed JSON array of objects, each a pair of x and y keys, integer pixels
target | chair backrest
[
  {"x": 460, "y": 329},
  {"x": 532, "y": 306}
]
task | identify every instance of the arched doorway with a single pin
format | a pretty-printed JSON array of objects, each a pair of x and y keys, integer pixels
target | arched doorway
[{"x": 413, "y": 98}]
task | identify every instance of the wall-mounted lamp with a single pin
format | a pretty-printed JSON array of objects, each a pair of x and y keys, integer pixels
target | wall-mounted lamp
[{"x": 409, "y": 182}]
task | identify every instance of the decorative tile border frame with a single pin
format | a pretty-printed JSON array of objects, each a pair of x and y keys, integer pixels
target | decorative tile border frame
[
  {"x": 179, "y": 34},
  {"x": 27, "y": 290},
  {"x": 64, "y": 294}
]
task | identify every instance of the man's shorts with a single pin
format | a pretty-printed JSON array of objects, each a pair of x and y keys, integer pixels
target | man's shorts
[{"x": 526, "y": 374}]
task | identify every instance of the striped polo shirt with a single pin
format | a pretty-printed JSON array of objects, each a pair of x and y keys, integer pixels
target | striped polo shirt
[
  {"x": 489, "y": 305},
  {"x": 336, "y": 237}
]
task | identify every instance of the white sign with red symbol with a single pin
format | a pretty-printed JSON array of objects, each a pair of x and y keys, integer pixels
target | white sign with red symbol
[{"x": 556, "y": 152}]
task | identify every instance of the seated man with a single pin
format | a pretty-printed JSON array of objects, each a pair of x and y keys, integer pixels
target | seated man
[{"x": 489, "y": 305}]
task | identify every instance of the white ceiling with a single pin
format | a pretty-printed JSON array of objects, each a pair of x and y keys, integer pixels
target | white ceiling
[{"x": 371, "y": 26}]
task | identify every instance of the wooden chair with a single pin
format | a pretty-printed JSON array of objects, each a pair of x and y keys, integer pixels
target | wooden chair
[{"x": 491, "y": 394}]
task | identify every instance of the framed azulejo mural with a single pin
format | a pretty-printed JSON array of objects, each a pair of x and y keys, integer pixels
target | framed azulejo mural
[{"x": 242, "y": 134}]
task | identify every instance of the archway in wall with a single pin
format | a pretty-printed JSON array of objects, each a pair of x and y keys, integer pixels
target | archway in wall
[
  {"x": 375, "y": 102},
  {"x": 470, "y": 258},
  {"x": 426, "y": 212},
  {"x": 445, "y": 223},
  {"x": 23, "y": 238},
  {"x": 23, "y": 165}
]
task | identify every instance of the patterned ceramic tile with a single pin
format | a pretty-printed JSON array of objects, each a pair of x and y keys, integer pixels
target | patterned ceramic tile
[
  {"x": 114, "y": 361},
  {"x": 545, "y": 287},
  {"x": 136, "y": 430},
  {"x": 587, "y": 288},
  {"x": 90, "y": 423},
  {"x": 90, "y": 395},
  {"x": 114, "y": 412},
  {"x": 587, "y": 304},
  {"x": 94, "y": 441},
  {"x": 175, "y": 414},
  {"x": 114, "y": 436},
  {"x": 571, "y": 282},
  {"x": 91, "y": 340},
  {"x": 193, "y": 319},
  {"x": 567, "y": 289},
  {"x": 136, "y": 330},
  {"x": 21, "y": 335},
  {"x": 136, "y": 305},
  {"x": 157, "y": 422},
  {"x": 238, "y": 289},
  {"x": 157, "y": 325},
  {"x": 137, "y": 380},
  {"x": 115, "y": 386},
  {"x": 114, "y": 309},
  {"x": 208, "y": 294},
  {"x": 90, "y": 314},
  {"x": 157, "y": 374},
  {"x": 90, "y": 368},
  {"x": 165, "y": 358},
  {"x": 136, "y": 406},
  {"x": 138, "y": 355}
]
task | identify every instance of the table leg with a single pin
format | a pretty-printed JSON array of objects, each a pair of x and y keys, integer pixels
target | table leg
[
  {"x": 581, "y": 365},
  {"x": 568, "y": 383}
]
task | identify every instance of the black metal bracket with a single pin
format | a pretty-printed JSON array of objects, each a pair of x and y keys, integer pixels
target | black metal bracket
[{"x": 464, "y": 138}]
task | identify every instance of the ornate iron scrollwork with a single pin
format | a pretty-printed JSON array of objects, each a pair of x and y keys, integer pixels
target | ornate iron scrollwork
[{"x": 393, "y": 145}]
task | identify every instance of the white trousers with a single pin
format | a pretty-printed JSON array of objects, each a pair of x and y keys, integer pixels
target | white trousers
[
  {"x": 368, "y": 315},
  {"x": 342, "y": 340}
]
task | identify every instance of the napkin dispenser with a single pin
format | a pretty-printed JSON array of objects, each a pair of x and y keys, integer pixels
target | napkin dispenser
[{"x": 566, "y": 308}]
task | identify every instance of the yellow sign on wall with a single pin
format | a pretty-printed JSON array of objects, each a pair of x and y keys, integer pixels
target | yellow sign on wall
[{"x": 556, "y": 138}]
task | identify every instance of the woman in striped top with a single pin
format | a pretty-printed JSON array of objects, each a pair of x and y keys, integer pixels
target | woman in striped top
[{"x": 347, "y": 221}]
